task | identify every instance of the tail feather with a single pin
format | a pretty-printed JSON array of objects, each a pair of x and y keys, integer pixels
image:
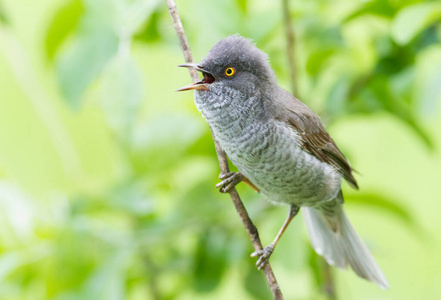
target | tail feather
[{"x": 342, "y": 246}]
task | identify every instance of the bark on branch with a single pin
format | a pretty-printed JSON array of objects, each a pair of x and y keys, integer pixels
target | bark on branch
[{"x": 223, "y": 163}]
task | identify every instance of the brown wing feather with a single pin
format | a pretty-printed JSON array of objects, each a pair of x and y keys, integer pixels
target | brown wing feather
[{"x": 315, "y": 139}]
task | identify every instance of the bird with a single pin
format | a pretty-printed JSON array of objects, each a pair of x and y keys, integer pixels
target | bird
[{"x": 281, "y": 149}]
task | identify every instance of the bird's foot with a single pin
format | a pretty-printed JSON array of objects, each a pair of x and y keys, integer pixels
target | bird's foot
[
  {"x": 263, "y": 255},
  {"x": 229, "y": 180}
]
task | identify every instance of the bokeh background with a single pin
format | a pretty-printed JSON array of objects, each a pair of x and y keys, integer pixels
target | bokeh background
[{"x": 107, "y": 175}]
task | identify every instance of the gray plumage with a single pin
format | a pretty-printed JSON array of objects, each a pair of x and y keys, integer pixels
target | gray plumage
[{"x": 281, "y": 146}]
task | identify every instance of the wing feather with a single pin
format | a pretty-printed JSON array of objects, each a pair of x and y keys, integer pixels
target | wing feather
[{"x": 314, "y": 137}]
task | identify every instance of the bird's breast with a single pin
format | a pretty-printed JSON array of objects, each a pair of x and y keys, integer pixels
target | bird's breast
[{"x": 269, "y": 153}]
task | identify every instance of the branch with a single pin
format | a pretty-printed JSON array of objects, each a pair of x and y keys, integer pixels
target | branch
[
  {"x": 152, "y": 271},
  {"x": 223, "y": 163},
  {"x": 329, "y": 286},
  {"x": 290, "y": 49}
]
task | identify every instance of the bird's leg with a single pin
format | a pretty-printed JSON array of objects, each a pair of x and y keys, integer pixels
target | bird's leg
[
  {"x": 230, "y": 179},
  {"x": 265, "y": 254}
]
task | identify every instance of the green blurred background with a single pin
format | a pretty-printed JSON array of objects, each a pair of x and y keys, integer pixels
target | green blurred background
[{"x": 107, "y": 175}]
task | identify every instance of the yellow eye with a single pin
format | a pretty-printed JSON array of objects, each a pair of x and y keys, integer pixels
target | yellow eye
[{"x": 230, "y": 71}]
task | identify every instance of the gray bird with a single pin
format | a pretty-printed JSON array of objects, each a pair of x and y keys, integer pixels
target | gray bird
[{"x": 281, "y": 149}]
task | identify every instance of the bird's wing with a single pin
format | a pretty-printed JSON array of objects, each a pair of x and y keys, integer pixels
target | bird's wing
[{"x": 315, "y": 140}]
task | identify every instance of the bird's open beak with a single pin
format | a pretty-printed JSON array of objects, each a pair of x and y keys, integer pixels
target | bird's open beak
[
  {"x": 201, "y": 85},
  {"x": 193, "y": 86}
]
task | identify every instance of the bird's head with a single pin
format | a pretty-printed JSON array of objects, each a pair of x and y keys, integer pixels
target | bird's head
[{"x": 233, "y": 63}]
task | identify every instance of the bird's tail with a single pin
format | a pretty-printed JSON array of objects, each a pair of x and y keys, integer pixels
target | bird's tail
[{"x": 334, "y": 238}]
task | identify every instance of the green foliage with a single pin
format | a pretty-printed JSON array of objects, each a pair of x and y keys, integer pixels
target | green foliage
[
  {"x": 210, "y": 261},
  {"x": 3, "y": 18},
  {"x": 85, "y": 62},
  {"x": 243, "y": 5},
  {"x": 381, "y": 203},
  {"x": 150, "y": 32},
  {"x": 91, "y": 52},
  {"x": 255, "y": 283},
  {"x": 121, "y": 101},
  {"x": 107, "y": 176},
  {"x": 62, "y": 25},
  {"x": 422, "y": 16}
]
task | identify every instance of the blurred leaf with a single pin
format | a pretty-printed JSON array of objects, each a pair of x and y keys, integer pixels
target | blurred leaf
[
  {"x": 149, "y": 33},
  {"x": 255, "y": 283},
  {"x": 413, "y": 19},
  {"x": 84, "y": 62},
  {"x": 108, "y": 281},
  {"x": 374, "y": 7},
  {"x": 63, "y": 23},
  {"x": 17, "y": 212},
  {"x": 9, "y": 262},
  {"x": 428, "y": 37},
  {"x": 137, "y": 14},
  {"x": 131, "y": 197},
  {"x": 160, "y": 141},
  {"x": 395, "y": 60},
  {"x": 122, "y": 93},
  {"x": 402, "y": 84},
  {"x": 378, "y": 95},
  {"x": 95, "y": 45},
  {"x": 13, "y": 260},
  {"x": 3, "y": 17},
  {"x": 432, "y": 95},
  {"x": 405, "y": 113},
  {"x": 428, "y": 78},
  {"x": 315, "y": 267},
  {"x": 390, "y": 206},
  {"x": 210, "y": 260},
  {"x": 335, "y": 103},
  {"x": 100, "y": 34},
  {"x": 316, "y": 60},
  {"x": 243, "y": 5},
  {"x": 420, "y": 131}
]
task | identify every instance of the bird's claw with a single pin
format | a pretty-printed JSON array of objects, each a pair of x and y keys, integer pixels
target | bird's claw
[
  {"x": 263, "y": 255},
  {"x": 229, "y": 180}
]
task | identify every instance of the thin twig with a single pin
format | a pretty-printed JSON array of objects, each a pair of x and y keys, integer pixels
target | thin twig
[
  {"x": 290, "y": 47},
  {"x": 328, "y": 278},
  {"x": 223, "y": 162},
  {"x": 153, "y": 282},
  {"x": 329, "y": 288}
]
